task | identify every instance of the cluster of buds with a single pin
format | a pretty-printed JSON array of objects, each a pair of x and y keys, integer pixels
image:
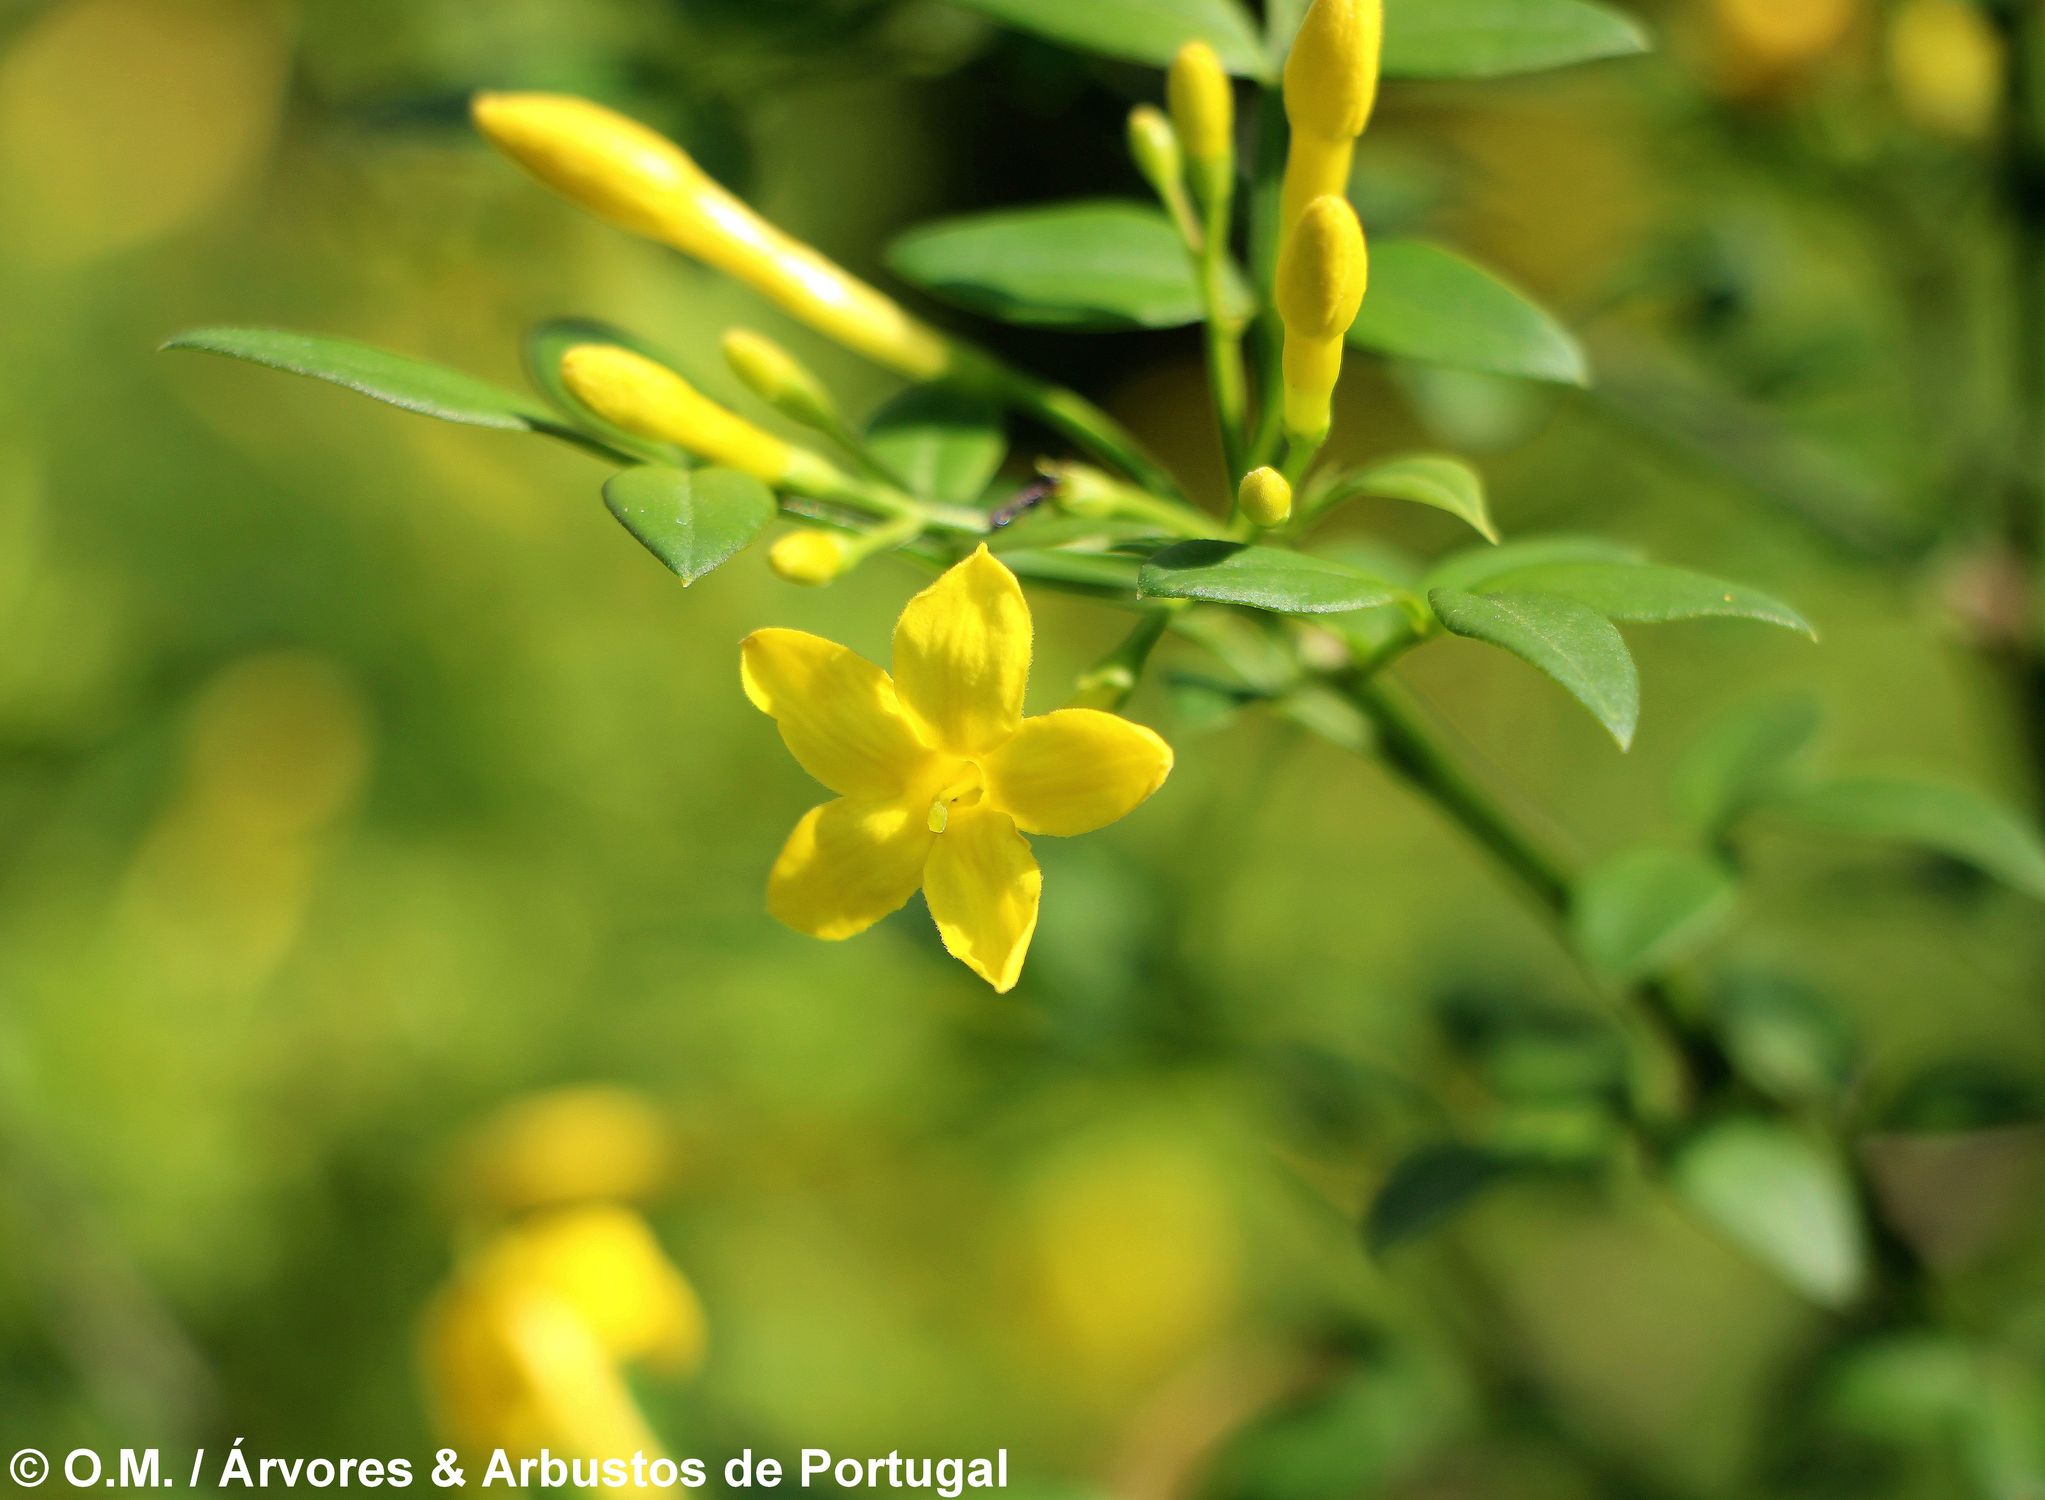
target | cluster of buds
[{"x": 1331, "y": 85}]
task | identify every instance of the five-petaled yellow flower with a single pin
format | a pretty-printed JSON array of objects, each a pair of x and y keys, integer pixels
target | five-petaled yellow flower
[{"x": 938, "y": 774}]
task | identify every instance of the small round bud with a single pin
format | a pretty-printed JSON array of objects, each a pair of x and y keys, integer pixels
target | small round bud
[
  {"x": 1266, "y": 497},
  {"x": 809, "y": 556},
  {"x": 1202, "y": 102}
]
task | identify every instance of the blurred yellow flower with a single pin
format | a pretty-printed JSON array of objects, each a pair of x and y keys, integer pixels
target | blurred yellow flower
[
  {"x": 523, "y": 1350},
  {"x": 1764, "y": 44},
  {"x": 1946, "y": 63},
  {"x": 582, "y": 1144},
  {"x": 938, "y": 773}
]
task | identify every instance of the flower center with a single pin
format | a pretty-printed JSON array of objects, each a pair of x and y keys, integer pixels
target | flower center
[{"x": 961, "y": 790}]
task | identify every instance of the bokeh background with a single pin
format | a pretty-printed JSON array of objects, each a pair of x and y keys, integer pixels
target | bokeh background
[{"x": 359, "y": 778}]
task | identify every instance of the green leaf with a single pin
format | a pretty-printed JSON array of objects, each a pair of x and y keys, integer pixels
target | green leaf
[
  {"x": 1950, "y": 820},
  {"x": 546, "y": 342},
  {"x": 1742, "y": 757},
  {"x": 1429, "y": 304},
  {"x": 1784, "y": 1038},
  {"x": 691, "y": 519},
  {"x": 941, "y": 444},
  {"x": 1649, "y": 594},
  {"x": 414, "y": 384},
  {"x": 1572, "y": 643},
  {"x": 1425, "y": 479},
  {"x": 1073, "y": 569},
  {"x": 1496, "y": 38},
  {"x": 1476, "y": 568},
  {"x": 1100, "y": 265},
  {"x": 1782, "y": 1198},
  {"x": 1428, "y": 1188},
  {"x": 1272, "y": 578},
  {"x": 1907, "y": 1387},
  {"x": 1640, "y": 911},
  {"x": 1145, "y": 31}
]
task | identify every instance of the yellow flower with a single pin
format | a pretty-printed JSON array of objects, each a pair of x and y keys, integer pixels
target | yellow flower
[
  {"x": 589, "y": 1143},
  {"x": 524, "y": 1348},
  {"x": 621, "y": 171},
  {"x": 938, "y": 774},
  {"x": 1946, "y": 63}
]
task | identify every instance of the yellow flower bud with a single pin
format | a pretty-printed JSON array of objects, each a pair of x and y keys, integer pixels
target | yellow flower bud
[
  {"x": 625, "y": 173},
  {"x": 1322, "y": 274},
  {"x": 1203, "y": 104},
  {"x": 649, "y": 400},
  {"x": 809, "y": 556},
  {"x": 1154, "y": 146},
  {"x": 1946, "y": 63},
  {"x": 1265, "y": 497},
  {"x": 773, "y": 374},
  {"x": 1331, "y": 86}
]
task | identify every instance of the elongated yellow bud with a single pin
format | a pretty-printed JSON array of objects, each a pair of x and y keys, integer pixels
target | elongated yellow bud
[
  {"x": 1331, "y": 86},
  {"x": 1265, "y": 497},
  {"x": 779, "y": 379},
  {"x": 1322, "y": 274},
  {"x": 809, "y": 556},
  {"x": 651, "y": 401},
  {"x": 623, "y": 172},
  {"x": 1202, "y": 102}
]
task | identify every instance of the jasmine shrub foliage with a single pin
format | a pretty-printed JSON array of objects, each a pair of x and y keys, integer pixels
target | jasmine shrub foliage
[{"x": 1736, "y": 1097}]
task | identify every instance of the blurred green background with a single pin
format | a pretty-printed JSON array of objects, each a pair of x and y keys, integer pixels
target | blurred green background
[{"x": 358, "y": 775}]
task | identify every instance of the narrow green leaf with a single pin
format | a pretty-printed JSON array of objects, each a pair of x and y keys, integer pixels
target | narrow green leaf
[
  {"x": 1742, "y": 757},
  {"x": 941, "y": 444},
  {"x": 1478, "y": 567},
  {"x": 1645, "y": 909},
  {"x": 1074, "y": 569},
  {"x": 1649, "y": 594},
  {"x": 1100, "y": 265},
  {"x": 1271, "y": 578},
  {"x": 1428, "y": 1188},
  {"x": 691, "y": 519},
  {"x": 1782, "y": 1198},
  {"x": 1571, "y": 642},
  {"x": 1497, "y": 38},
  {"x": 1784, "y": 1037},
  {"x": 1145, "y": 31},
  {"x": 1950, "y": 820},
  {"x": 1429, "y": 304},
  {"x": 413, "y": 384},
  {"x": 1425, "y": 479},
  {"x": 546, "y": 342}
]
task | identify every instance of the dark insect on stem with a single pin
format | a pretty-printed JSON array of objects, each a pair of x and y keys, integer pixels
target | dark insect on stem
[{"x": 1027, "y": 499}]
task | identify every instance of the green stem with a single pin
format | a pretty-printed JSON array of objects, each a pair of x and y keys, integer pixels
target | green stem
[
  {"x": 1109, "y": 682},
  {"x": 1268, "y": 336},
  {"x": 1224, "y": 335},
  {"x": 1413, "y": 747},
  {"x": 1072, "y": 416}
]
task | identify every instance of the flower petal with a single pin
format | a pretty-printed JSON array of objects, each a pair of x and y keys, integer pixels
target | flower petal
[
  {"x": 847, "y": 865},
  {"x": 982, "y": 884},
  {"x": 1075, "y": 770},
  {"x": 837, "y": 711},
  {"x": 962, "y": 655}
]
